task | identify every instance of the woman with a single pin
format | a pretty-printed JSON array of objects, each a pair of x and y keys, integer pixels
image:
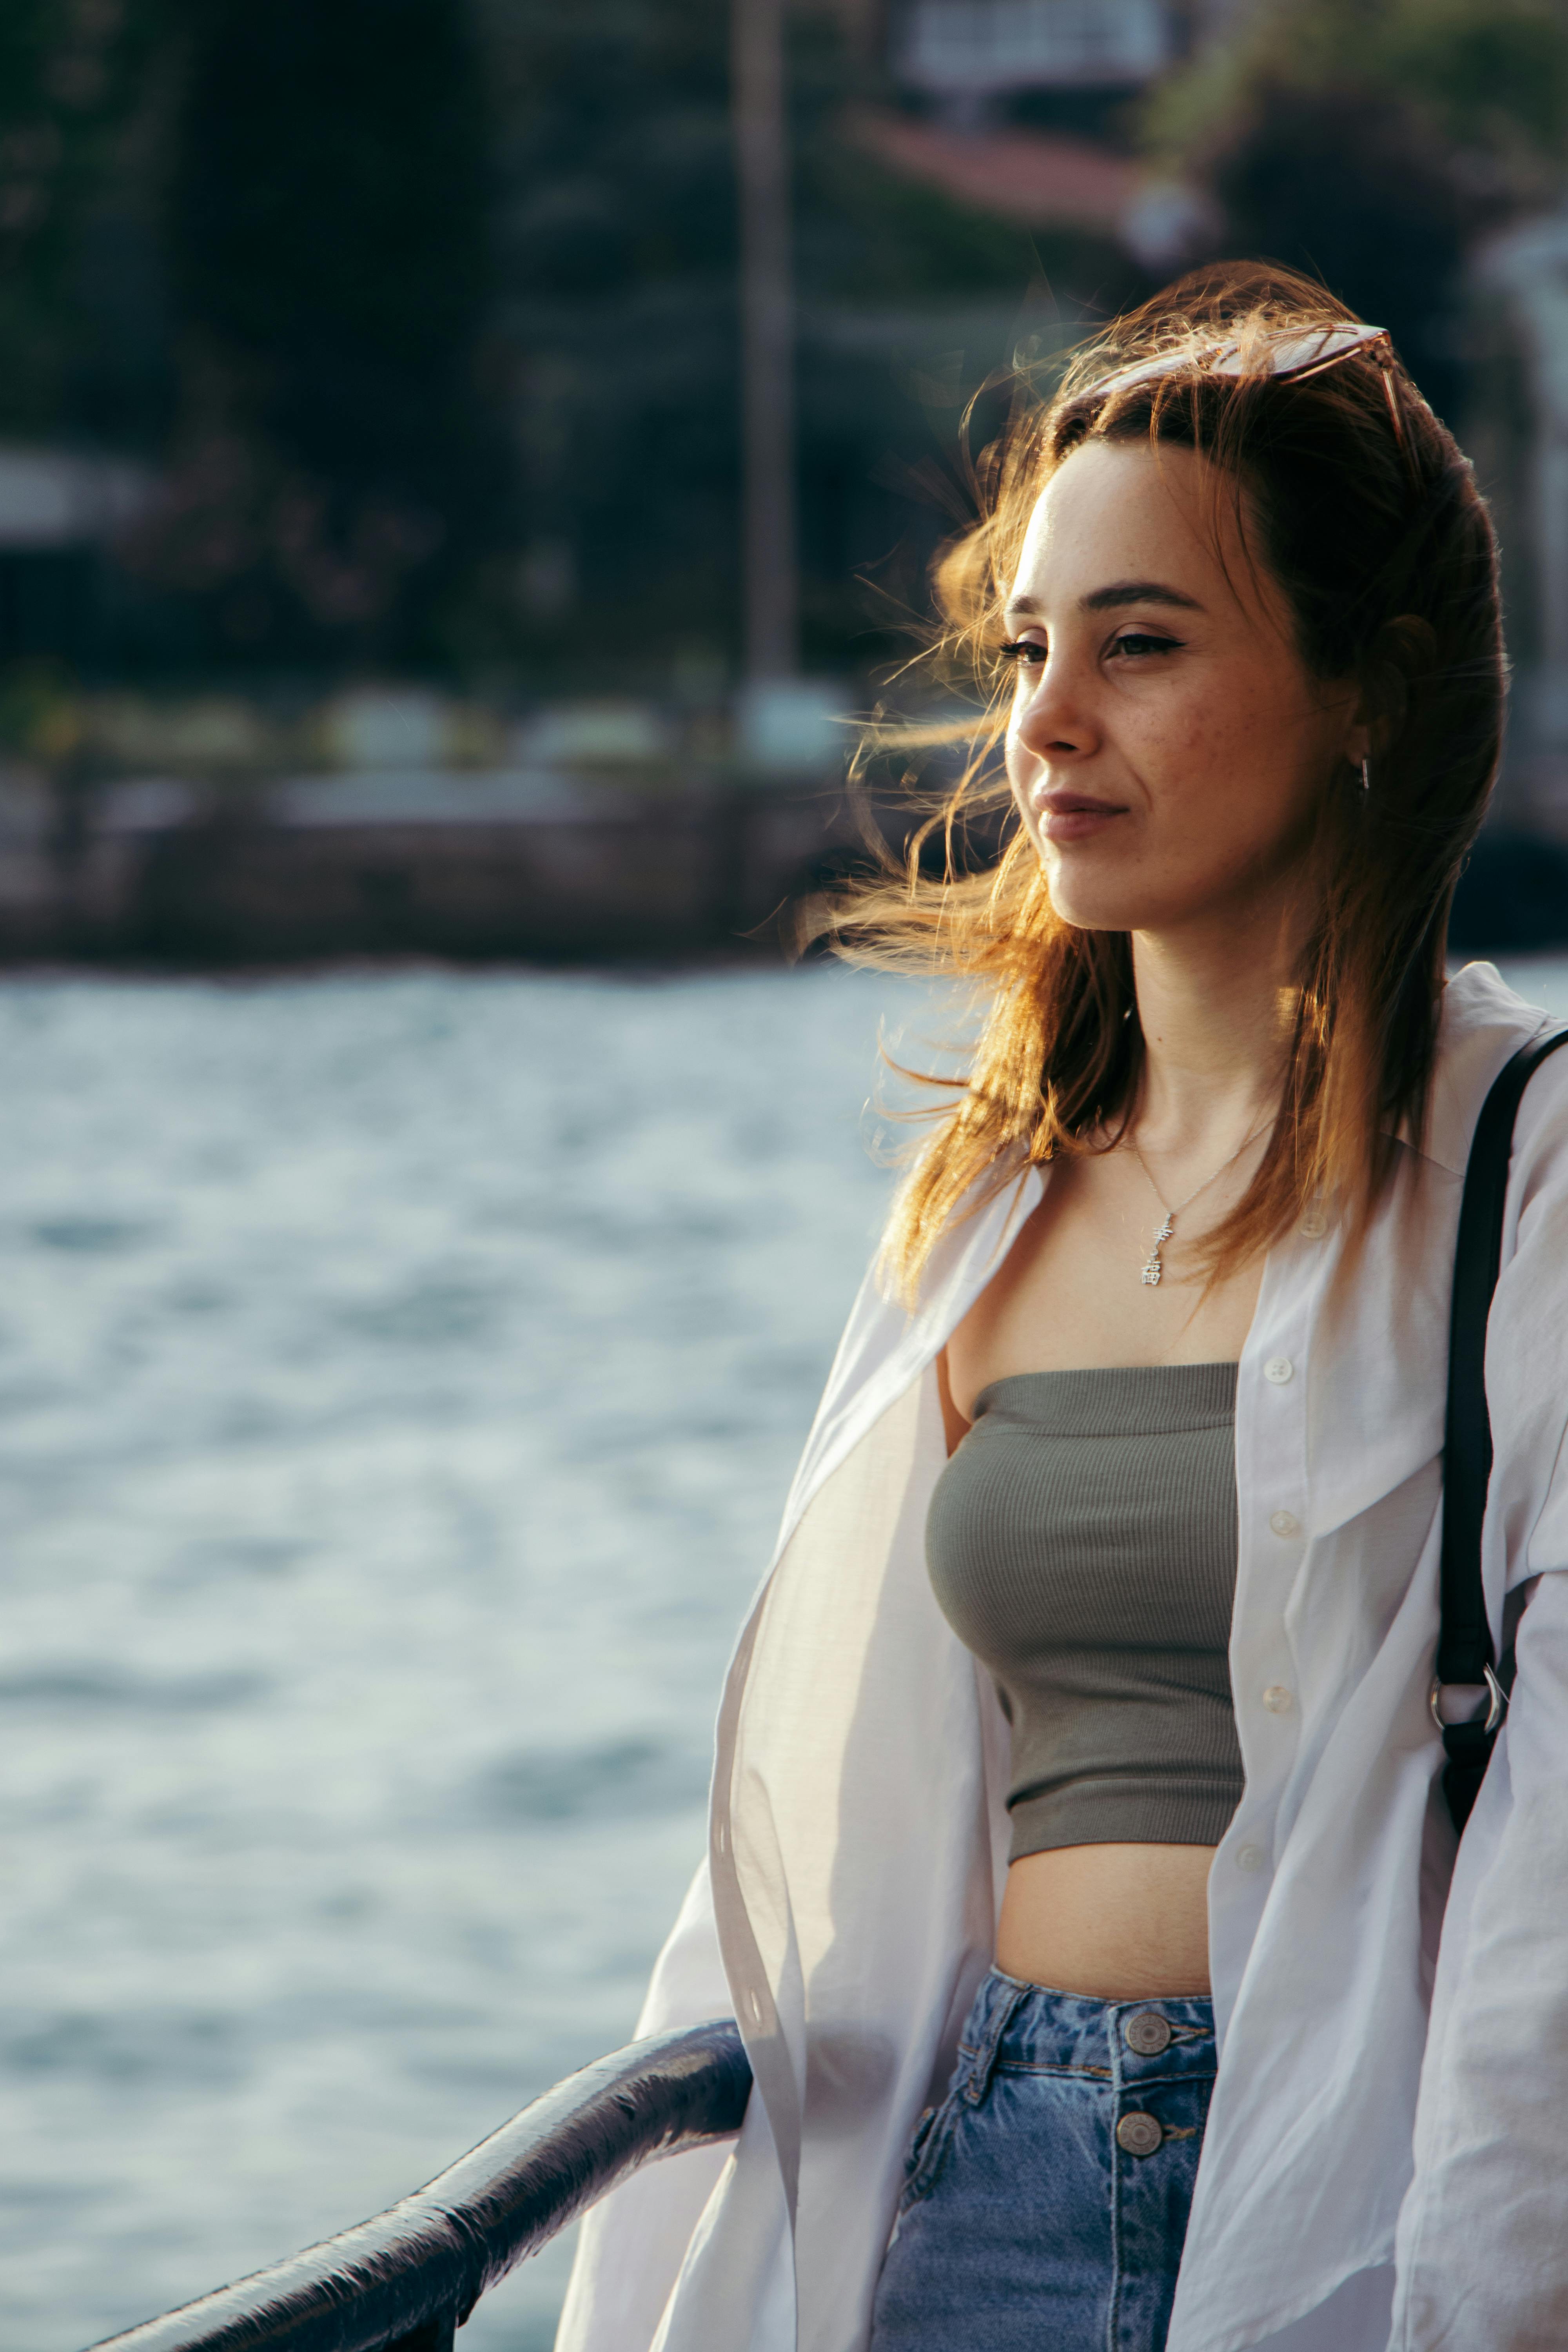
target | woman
[{"x": 1079, "y": 1875}]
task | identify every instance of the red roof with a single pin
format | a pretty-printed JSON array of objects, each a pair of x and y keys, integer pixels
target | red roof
[{"x": 1035, "y": 177}]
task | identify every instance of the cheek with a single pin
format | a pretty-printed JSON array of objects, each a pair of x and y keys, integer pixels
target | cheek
[
  {"x": 1026, "y": 816},
  {"x": 1192, "y": 757},
  {"x": 1242, "y": 759},
  {"x": 1020, "y": 765}
]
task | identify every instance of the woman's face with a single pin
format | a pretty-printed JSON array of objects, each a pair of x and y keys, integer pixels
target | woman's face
[{"x": 1167, "y": 743}]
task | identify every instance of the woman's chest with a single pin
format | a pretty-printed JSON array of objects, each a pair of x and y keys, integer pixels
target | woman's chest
[{"x": 1083, "y": 1285}]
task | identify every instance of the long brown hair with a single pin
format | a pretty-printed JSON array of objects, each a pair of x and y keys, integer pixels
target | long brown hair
[{"x": 1354, "y": 496}]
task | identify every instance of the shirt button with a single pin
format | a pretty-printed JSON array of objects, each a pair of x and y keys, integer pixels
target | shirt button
[
  {"x": 1278, "y": 1700},
  {"x": 1278, "y": 1369},
  {"x": 1314, "y": 1224},
  {"x": 1148, "y": 2032},
  {"x": 1139, "y": 2134},
  {"x": 1249, "y": 1858},
  {"x": 1285, "y": 1523}
]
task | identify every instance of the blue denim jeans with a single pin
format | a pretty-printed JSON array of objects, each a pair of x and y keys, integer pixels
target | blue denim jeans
[{"x": 1047, "y": 2198}]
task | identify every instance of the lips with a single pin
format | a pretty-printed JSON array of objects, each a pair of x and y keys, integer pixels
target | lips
[{"x": 1067, "y": 815}]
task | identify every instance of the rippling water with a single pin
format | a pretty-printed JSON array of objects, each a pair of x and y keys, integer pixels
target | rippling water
[{"x": 401, "y": 1374}]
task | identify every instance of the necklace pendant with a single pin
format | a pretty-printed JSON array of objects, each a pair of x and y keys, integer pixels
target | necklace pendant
[{"x": 1152, "y": 1269}]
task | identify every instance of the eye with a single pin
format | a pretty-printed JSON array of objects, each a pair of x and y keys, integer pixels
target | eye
[
  {"x": 1023, "y": 653},
  {"x": 1137, "y": 645}
]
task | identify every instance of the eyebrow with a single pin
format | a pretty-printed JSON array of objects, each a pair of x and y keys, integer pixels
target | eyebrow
[{"x": 1121, "y": 592}]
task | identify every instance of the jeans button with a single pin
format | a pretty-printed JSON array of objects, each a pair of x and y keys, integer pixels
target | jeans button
[
  {"x": 1148, "y": 2033},
  {"x": 1139, "y": 2134}
]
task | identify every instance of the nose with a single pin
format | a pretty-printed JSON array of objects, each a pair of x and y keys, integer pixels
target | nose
[{"x": 1052, "y": 720}]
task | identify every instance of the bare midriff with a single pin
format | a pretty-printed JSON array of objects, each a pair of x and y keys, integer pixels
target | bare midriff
[{"x": 1113, "y": 1922}]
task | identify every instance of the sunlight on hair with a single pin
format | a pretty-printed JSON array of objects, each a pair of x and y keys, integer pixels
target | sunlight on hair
[{"x": 1356, "y": 500}]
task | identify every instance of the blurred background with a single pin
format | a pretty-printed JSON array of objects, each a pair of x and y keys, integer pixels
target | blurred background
[
  {"x": 460, "y": 461},
  {"x": 445, "y": 504}
]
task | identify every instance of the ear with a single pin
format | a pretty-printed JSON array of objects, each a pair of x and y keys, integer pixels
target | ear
[
  {"x": 1403, "y": 651},
  {"x": 1366, "y": 731}
]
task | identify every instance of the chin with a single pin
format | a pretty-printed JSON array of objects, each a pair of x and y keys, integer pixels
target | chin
[
  {"x": 1097, "y": 887},
  {"x": 1098, "y": 902}
]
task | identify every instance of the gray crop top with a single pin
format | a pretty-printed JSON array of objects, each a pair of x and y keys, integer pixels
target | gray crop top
[{"x": 1083, "y": 1543}]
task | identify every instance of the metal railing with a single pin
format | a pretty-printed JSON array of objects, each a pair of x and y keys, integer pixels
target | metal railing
[{"x": 404, "y": 2282}]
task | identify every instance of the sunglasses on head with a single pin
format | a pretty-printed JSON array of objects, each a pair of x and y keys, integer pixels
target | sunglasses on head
[{"x": 1288, "y": 355}]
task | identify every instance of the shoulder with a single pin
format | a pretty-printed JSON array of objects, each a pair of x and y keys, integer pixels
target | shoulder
[{"x": 1482, "y": 1025}]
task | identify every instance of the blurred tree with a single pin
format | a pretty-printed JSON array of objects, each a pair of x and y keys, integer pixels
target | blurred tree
[
  {"x": 1369, "y": 141},
  {"x": 429, "y": 307},
  {"x": 340, "y": 474},
  {"x": 616, "y": 226},
  {"x": 74, "y": 87},
  {"x": 618, "y": 259}
]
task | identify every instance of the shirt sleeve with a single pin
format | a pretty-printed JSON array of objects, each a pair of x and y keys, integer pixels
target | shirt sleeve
[
  {"x": 1527, "y": 1345},
  {"x": 1483, "y": 2235},
  {"x": 633, "y": 2242}
]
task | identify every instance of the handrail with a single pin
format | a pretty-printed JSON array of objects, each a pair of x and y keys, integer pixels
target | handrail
[{"x": 402, "y": 2282}]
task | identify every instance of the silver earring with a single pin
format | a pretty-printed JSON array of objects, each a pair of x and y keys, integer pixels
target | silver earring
[{"x": 1366, "y": 775}]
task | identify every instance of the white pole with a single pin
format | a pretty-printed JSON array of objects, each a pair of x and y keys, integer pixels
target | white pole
[{"x": 767, "y": 342}]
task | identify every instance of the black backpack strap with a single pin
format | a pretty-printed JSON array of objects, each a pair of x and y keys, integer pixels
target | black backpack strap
[{"x": 1465, "y": 1653}]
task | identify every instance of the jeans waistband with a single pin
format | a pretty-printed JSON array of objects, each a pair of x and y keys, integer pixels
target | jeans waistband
[{"x": 1028, "y": 2026}]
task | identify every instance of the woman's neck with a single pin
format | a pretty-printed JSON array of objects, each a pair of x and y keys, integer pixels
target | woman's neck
[{"x": 1217, "y": 1016}]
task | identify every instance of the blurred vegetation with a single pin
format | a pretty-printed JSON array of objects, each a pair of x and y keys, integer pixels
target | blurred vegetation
[
  {"x": 339, "y": 466},
  {"x": 425, "y": 309},
  {"x": 619, "y": 273},
  {"x": 1372, "y": 141},
  {"x": 38, "y": 717},
  {"x": 81, "y": 330}
]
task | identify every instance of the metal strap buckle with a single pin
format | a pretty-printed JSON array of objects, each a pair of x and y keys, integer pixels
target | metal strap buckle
[{"x": 1496, "y": 1700}]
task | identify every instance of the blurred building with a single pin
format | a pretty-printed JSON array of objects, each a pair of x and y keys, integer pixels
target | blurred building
[
  {"x": 59, "y": 511},
  {"x": 970, "y": 57},
  {"x": 1020, "y": 108},
  {"x": 967, "y": 54},
  {"x": 1519, "y": 435}
]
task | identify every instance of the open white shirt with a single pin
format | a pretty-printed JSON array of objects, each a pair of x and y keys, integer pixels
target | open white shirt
[{"x": 1386, "y": 2157}]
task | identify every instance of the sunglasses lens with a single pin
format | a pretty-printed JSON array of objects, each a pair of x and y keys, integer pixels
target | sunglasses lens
[
  {"x": 1290, "y": 356},
  {"x": 1319, "y": 350},
  {"x": 1146, "y": 372}
]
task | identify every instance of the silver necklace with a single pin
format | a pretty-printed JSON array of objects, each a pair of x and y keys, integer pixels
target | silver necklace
[{"x": 1152, "y": 1267}]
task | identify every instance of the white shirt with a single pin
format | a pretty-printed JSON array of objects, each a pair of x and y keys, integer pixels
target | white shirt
[{"x": 1385, "y": 2163}]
